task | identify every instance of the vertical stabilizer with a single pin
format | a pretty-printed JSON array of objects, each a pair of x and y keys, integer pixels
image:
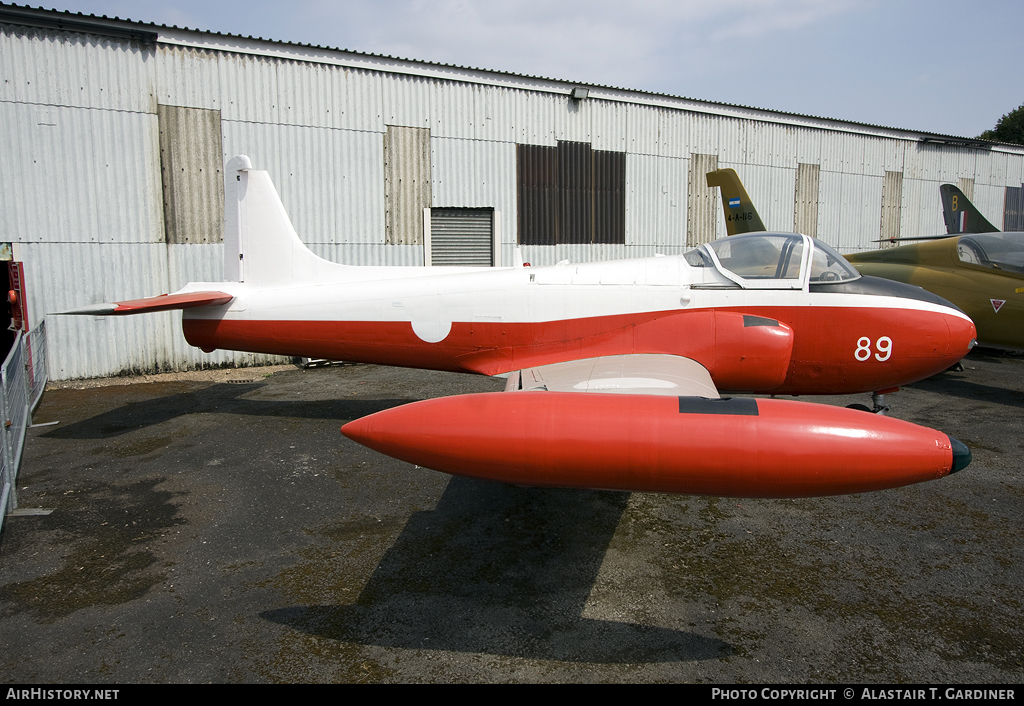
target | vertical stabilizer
[
  {"x": 740, "y": 214},
  {"x": 260, "y": 244},
  {"x": 960, "y": 214}
]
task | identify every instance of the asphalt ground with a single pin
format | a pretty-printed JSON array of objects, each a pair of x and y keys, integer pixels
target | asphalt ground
[{"x": 226, "y": 532}]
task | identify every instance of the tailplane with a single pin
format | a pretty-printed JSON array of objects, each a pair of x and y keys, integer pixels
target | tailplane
[
  {"x": 740, "y": 214},
  {"x": 960, "y": 214}
]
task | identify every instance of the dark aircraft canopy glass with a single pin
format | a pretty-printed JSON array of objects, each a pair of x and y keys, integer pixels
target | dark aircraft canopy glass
[
  {"x": 1002, "y": 251},
  {"x": 773, "y": 260}
]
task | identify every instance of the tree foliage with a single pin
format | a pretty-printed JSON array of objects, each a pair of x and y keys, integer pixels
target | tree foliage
[{"x": 1010, "y": 128}]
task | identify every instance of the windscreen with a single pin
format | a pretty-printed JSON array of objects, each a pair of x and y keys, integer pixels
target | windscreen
[
  {"x": 827, "y": 265},
  {"x": 759, "y": 256},
  {"x": 1003, "y": 251}
]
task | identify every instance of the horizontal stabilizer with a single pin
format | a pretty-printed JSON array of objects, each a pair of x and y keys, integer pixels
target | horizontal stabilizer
[{"x": 164, "y": 302}]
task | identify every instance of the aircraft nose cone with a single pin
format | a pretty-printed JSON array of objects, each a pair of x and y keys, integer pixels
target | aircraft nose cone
[
  {"x": 961, "y": 455},
  {"x": 963, "y": 335}
]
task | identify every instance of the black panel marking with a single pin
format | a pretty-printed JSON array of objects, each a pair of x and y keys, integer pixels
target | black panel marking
[
  {"x": 749, "y": 320},
  {"x": 745, "y": 406}
]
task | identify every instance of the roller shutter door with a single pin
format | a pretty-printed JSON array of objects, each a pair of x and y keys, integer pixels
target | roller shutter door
[{"x": 462, "y": 236}]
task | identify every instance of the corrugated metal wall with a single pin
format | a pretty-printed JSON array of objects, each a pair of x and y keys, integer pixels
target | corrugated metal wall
[{"x": 83, "y": 197}]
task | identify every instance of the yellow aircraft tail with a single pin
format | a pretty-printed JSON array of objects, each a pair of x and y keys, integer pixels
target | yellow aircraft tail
[{"x": 740, "y": 214}]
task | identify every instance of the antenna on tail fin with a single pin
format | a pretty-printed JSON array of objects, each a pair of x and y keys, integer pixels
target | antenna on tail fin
[
  {"x": 740, "y": 214},
  {"x": 960, "y": 214}
]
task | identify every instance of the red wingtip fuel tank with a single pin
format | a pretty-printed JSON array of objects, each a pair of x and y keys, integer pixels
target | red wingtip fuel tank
[{"x": 739, "y": 447}]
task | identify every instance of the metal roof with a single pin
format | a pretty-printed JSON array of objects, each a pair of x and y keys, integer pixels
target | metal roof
[{"x": 152, "y": 32}]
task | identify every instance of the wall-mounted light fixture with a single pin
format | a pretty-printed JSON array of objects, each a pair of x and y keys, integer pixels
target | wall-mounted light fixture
[{"x": 579, "y": 93}]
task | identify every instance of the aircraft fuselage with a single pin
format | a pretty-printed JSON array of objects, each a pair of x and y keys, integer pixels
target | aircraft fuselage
[{"x": 493, "y": 321}]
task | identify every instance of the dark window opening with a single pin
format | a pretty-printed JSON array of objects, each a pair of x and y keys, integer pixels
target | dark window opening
[{"x": 571, "y": 194}]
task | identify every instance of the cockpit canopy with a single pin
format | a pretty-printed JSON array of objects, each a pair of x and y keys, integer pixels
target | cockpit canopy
[
  {"x": 773, "y": 260},
  {"x": 1002, "y": 251}
]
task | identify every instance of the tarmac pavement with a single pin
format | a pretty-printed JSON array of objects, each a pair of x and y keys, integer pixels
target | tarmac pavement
[{"x": 227, "y": 532}]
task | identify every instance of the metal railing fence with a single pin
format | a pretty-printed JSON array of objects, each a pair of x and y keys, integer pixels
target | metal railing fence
[{"x": 23, "y": 378}]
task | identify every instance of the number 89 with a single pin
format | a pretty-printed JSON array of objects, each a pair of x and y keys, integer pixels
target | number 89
[{"x": 863, "y": 351}]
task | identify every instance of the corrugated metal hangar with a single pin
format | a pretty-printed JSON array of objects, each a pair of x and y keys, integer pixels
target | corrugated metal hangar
[{"x": 116, "y": 134}]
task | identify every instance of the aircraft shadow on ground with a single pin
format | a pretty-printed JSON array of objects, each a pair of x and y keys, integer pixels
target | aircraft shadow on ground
[
  {"x": 497, "y": 569},
  {"x": 945, "y": 384},
  {"x": 222, "y": 398}
]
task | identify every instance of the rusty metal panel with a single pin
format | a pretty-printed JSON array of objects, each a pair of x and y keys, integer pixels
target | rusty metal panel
[
  {"x": 609, "y": 194},
  {"x": 805, "y": 199},
  {"x": 702, "y": 201},
  {"x": 537, "y": 204},
  {"x": 892, "y": 207},
  {"x": 575, "y": 189},
  {"x": 406, "y": 183},
  {"x": 191, "y": 172}
]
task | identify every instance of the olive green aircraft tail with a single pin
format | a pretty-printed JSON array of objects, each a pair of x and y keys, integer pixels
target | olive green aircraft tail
[
  {"x": 960, "y": 214},
  {"x": 740, "y": 214}
]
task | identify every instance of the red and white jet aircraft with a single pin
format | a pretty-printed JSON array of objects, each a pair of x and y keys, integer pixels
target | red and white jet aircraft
[{"x": 614, "y": 368}]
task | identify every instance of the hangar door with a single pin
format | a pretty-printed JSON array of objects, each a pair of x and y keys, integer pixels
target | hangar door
[{"x": 461, "y": 237}]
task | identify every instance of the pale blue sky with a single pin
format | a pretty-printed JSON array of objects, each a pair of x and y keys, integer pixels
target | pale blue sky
[{"x": 941, "y": 66}]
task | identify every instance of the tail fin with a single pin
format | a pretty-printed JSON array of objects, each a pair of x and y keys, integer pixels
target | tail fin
[
  {"x": 740, "y": 214},
  {"x": 960, "y": 214},
  {"x": 260, "y": 244}
]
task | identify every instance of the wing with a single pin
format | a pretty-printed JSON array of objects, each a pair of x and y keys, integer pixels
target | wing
[
  {"x": 164, "y": 302},
  {"x": 648, "y": 374}
]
